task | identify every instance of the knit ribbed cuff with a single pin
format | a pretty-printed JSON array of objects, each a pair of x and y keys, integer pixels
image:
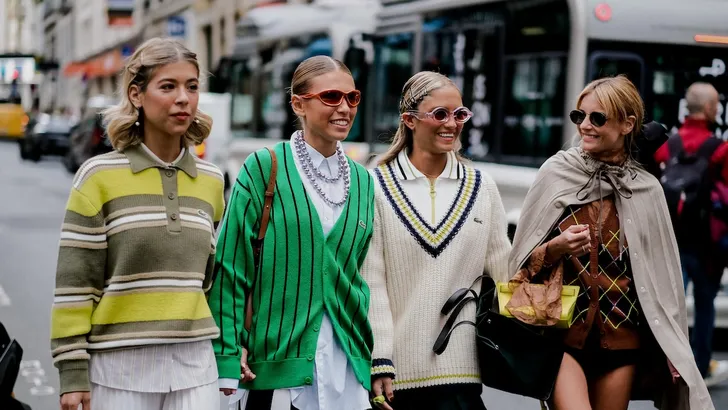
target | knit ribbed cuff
[
  {"x": 382, "y": 368},
  {"x": 74, "y": 376}
]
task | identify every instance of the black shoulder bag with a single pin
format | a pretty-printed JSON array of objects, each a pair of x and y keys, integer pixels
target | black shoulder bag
[{"x": 512, "y": 356}]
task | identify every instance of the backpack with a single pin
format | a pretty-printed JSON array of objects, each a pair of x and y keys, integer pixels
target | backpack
[{"x": 687, "y": 183}]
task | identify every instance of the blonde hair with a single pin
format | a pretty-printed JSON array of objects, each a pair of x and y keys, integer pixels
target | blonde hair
[
  {"x": 620, "y": 100},
  {"x": 414, "y": 91},
  {"x": 311, "y": 68},
  {"x": 120, "y": 119}
]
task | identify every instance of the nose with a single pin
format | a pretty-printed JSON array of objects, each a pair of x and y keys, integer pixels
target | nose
[
  {"x": 451, "y": 124},
  {"x": 586, "y": 124},
  {"x": 182, "y": 97},
  {"x": 344, "y": 107}
]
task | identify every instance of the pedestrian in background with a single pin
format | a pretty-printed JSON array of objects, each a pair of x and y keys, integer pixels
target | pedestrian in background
[
  {"x": 309, "y": 343},
  {"x": 596, "y": 219},
  {"x": 438, "y": 225},
  {"x": 703, "y": 262},
  {"x": 130, "y": 325}
]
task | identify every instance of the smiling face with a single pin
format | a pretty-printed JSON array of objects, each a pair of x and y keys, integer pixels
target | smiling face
[
  {"x": 430, "y": 135},
  {"x": 169, "y": 101},
  {"x": 324, "y": 122},
  {"x": 603, "y": 141}
]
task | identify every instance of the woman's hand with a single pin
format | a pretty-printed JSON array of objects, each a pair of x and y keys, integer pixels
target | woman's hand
[
  {"x": 71, "y": 401},
  {"x": 382, "y": 387},
  {"x": 574, "y": 241},
  {"x": 246, "y": 375}
]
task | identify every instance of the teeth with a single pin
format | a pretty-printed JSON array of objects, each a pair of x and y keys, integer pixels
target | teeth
[
  {"x": 340, "y": 122},
  {"x": 447, "y": 135}
]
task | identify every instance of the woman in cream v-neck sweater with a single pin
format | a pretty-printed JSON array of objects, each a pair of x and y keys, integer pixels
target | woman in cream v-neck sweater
[{"x": 438, "y": 225}]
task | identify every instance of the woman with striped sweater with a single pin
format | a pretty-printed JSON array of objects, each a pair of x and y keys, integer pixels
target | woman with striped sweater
[
  {"x": 438, "y": 225},
  {"x": 130, "y": 325},
  {"x": 308, "y": 346}
]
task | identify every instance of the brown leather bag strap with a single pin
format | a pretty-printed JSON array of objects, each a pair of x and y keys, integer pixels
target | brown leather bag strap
[{"x": 269, "y": 192}]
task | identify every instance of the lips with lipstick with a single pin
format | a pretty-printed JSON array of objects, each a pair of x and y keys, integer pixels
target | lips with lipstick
[{"x": 181, "y": 116}]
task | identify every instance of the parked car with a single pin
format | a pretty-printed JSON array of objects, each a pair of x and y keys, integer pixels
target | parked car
[
  {"x": 48, "y": 136},
  {"x": 88, "y": 139}
]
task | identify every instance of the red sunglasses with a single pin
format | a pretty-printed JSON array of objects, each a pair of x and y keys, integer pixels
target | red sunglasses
[{"x": 334, "y": 98}]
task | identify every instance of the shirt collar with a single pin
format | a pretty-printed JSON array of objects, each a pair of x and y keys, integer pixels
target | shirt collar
[
  {"x": 454, "y": 169},
  {"x": 141, "y": 158}
]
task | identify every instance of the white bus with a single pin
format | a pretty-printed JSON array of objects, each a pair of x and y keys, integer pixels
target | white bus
[
  {"x": 522, "y": 63},
  {"x": 271, "y": 42}
]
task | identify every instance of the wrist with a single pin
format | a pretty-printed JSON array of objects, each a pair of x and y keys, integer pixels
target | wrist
[{"x": 554, "y": 251}]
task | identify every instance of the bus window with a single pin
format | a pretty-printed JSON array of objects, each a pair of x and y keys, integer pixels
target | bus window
[
  {"x": 609, "y": 64},
  {"x": 669, "y": 70},
  {"x": 393, "y": 56},
  {"x": 537, "y": 44},
  {"x": 534, "y": 105},
  {"x": 469, "y": 55},
  {"x": 241, "y": 118}
]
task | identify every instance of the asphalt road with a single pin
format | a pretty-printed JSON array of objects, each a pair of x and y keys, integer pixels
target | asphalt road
[{"x": 33, "y": 199}]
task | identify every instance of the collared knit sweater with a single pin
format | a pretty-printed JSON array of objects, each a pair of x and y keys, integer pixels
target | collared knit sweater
[
  {"x": 414, "y": 265},
  {"x": 136, "y": 256}
]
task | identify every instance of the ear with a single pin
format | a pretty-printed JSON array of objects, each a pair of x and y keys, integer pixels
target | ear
[
  {"x": 297, "y": 105},
  {"x": 628, "y": 125},
  {"x": 409, "y": 121},
  {"x": 135, "y": 95}
]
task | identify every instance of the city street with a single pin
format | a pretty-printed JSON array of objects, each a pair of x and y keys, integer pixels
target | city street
[{"x": 34, "y": 196}]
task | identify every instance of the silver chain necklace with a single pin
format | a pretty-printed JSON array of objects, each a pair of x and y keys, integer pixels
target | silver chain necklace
[{"x": 312, "y": 173}]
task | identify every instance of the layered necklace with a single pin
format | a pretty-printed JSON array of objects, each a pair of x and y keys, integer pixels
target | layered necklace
[{"x": 314, "y": 175}]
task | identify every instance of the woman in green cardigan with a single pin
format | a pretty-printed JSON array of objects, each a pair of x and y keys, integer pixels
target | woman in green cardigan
[{"x": 309, "y": 343}]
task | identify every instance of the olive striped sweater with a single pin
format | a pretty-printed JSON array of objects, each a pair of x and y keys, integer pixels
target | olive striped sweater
[
  {"x": 302, "y": 275},
  {"x": 136, "y": 255}
]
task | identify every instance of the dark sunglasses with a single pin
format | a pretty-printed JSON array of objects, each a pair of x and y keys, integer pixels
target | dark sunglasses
[
  {"x": 334, "y": 98},
  {"x": 441, "y": 114},
  {"x": 598, "y": 119}
]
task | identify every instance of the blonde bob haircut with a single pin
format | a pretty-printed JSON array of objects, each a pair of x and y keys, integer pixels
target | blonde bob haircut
[
  {"x": 139, "y": 70},
  {"x": 414, "y": 91},
  {"x": 620, "y": 100}
]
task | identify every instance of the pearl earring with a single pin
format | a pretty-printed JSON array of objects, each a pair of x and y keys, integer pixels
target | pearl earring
[
  {"x": 138, "y": 115},
  {"x": 197, "y": 121}
]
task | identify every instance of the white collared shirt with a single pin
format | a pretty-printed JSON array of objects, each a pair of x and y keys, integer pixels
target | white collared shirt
[
  {"x": 159, "y": 160},
  {"x": 335, "y": 385},
  {"x": 440, "y": 192}
]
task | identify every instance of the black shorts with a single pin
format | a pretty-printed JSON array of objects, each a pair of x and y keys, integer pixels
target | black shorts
[{"x": 597, "y": 361}]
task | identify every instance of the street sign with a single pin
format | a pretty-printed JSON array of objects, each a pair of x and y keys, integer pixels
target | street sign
[{"x": 176, "y": 26}]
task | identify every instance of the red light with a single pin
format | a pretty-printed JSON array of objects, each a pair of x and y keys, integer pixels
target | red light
[{"x": 603, "y": 12}]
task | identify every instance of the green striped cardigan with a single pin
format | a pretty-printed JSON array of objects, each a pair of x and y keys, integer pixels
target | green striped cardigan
[
  {"x": 302, "y": 275},
  {"x": 136, "y": 255}
]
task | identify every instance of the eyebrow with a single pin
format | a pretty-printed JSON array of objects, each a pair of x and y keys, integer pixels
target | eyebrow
[{"x": 173, "y": 80}]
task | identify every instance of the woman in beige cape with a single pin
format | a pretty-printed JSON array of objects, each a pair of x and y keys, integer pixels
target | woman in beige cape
[{"x": 596, "y": 219}]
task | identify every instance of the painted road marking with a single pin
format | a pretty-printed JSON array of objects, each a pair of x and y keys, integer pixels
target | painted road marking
[{"x": 4, "y": 298}]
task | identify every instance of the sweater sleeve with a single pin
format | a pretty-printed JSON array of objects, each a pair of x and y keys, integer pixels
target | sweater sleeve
[
  {"x": 79, "y": 286},
  {"x": 499, "y": 246},
  {"x": 380, "y": 315},
  {"x": 234, "y": 275}
]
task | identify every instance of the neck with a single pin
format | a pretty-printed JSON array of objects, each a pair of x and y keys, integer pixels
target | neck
[
  {"x": 428, "y": 163},
  {"x": 698, "y": 117},
  {"x": 612, "y": 158},
  {"x": 324, "y": 147},
  {"x": 167, "y": 148}
]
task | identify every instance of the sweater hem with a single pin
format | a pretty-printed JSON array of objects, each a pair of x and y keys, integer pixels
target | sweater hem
[{"x": 436, "y": 380}]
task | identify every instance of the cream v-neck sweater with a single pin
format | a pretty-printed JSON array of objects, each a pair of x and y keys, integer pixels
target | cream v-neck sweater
[{"x": 413, "y": 266}]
